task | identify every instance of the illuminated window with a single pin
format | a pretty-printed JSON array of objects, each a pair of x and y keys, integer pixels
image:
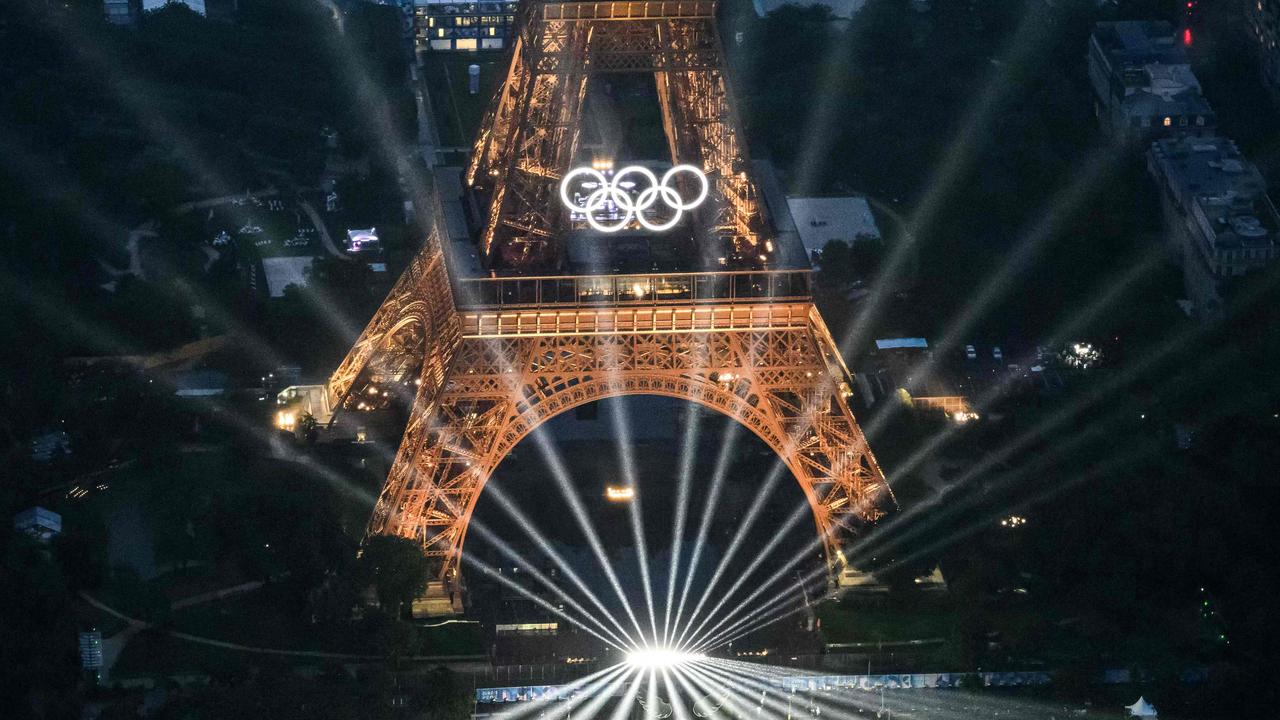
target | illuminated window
[
  {"x": 431, "y": 22},
  {"x": 465, "y": 44},
  {"x": 1168, "y": 122},
  {"x": 440, "y": 32},
  {"x": 493, "y": 31}
]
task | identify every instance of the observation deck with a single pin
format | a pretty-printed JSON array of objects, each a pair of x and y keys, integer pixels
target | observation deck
[{"x": 684, "y": 297}]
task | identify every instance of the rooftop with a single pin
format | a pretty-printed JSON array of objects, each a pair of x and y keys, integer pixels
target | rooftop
[
  {"x": 1211, "y": 176},
  {"x": 631, "y": 251},
  {"x": 1133, "y": 44},
  {"x": 282, "y": 272},
  {"x": 1185, "y": 103},
  {"x": 822, "y": 219},
  {"x": 901, "y": 343}
]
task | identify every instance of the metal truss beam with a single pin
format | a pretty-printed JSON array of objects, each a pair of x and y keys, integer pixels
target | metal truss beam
[
  {"x": 408, "y": 342},
  {"x": 785, "y": 383},
  {"x": 483, "y": 378},
  {"x": 529, "y": 136}
]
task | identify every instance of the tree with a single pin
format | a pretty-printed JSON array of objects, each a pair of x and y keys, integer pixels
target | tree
[
  {"x": 842, "y": 263},
  {"x": 81, "y": 550},
  {"x": 307, "y": 429},
  {"x": 442, "y": 697},
  {"x": 137, "y": 597},
  {"x": 38, "y": 660},
  {"x": 398, "y": 568}
]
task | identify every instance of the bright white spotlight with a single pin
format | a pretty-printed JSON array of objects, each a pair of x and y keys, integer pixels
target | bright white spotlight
[{"x": 661, "y": 657}]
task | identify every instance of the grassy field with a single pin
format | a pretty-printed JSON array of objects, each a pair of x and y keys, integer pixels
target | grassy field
[
  {"x": 844, "y": 622},
  {"x": 89, "y": 617},
  {"x": 149, "y": 508},
  {"x": 260, "y": 619},
  {"x": 457, "y": 112},
  {"x": 157, "y": 654}
]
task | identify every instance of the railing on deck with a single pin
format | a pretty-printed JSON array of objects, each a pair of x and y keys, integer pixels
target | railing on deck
[
  {"x": 628, "y": 10},
  {"x": 645, "y": 289}
]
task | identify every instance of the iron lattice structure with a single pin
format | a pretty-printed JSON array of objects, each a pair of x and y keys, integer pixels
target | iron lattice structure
[
  {"x": 483, "y": 377},
  {"x": 771, "y": 366},
  {"x": 530, "y": 133}
]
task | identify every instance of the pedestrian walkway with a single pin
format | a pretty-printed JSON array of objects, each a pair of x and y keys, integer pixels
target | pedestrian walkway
[{"x": 113, "y": 646}]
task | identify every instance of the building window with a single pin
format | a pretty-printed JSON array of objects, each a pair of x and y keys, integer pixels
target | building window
[
  {"x": 467, "y": 44},
  {"x": 1200, "y": 120},
  {"x": 1168, "y": 122},
  {"x": 493, "y": 31}
]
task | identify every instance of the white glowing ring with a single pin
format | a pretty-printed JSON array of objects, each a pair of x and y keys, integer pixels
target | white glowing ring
[
  {"x": 564, "y": 186},
  {"x": 620, "y": 197},
  {"x": 612, "y": 191},
  {"x": 696, "y": 172},
  {"x": 649, "y": 196},
  {"x": 596, "y": 200}
]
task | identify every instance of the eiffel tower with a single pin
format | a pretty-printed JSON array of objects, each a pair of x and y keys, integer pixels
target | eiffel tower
[{"x": 492, "y": 332}]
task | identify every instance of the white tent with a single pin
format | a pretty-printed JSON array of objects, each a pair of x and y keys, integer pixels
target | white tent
[{"x": 1142, "y": 708}]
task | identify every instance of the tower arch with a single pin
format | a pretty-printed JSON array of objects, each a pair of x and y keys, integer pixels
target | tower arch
[
  {"x": 511, "y": 341},
  {"x": 777, "y": 381}
]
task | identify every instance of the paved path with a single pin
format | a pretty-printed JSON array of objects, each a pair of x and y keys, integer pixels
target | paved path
[
  {"x": 428, "y": 136},
  {"x": 136, "y": 625},
  {"x": 147, "y": 229},
  {"x": 210, "y": 202},
  {"x": 321, "y": 228},
  {"x": 220, "y": 594}
]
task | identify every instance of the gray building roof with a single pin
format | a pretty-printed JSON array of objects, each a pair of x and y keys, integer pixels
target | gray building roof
[
  {"x": 1141, "y": 74},
  {"x": 199, "y": 383},
  {"x": 36, "y": 517},
  {"x": 1225, "y": 194},
  {"x": 1131, "y": 44},
  {"x": 820, "y": 220}
]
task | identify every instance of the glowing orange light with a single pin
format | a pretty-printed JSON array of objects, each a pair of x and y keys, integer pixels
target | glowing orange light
[{"x": 615, "y": 493}]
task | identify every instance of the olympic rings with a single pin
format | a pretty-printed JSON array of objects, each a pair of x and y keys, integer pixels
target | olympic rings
[{"x": 611, "y": 191}]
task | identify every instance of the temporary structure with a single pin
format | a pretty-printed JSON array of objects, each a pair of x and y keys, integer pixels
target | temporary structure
[{"x": 1142, "y": 708}]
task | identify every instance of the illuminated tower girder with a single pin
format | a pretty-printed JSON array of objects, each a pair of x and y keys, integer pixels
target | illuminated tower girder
[
  {"x": 485, "y": 361},
  {"x": 772, "y": 366},
  {"x": 530, "y": 133}
]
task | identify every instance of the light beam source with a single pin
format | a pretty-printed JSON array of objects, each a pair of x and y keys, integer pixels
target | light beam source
[{"x": 661, "y": 657}]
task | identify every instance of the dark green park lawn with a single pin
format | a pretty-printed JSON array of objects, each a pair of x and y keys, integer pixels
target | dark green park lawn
[
  {"x": 457, "y": 112},
  {"x": 847, "y": 622}
]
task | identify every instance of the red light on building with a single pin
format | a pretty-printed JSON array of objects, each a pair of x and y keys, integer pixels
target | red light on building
[{"x": 1186, "y": 37}]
